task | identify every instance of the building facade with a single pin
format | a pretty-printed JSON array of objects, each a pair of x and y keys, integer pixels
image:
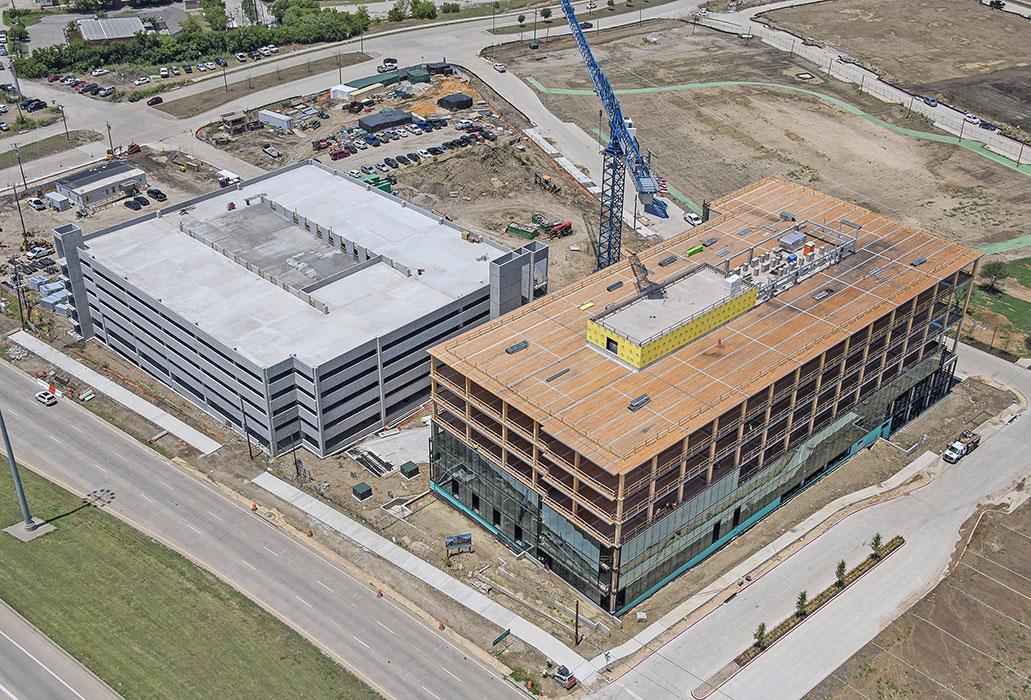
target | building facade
[
  {"x": 101, "y": 183},
  {"x": 621, "y": 467},
  {"x": 194, "y": 303}
]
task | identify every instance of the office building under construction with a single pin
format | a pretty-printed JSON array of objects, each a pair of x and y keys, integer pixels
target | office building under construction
[{"x": 624, "y": 428}]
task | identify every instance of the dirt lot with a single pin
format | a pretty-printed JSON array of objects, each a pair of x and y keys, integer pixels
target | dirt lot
[
  {"x": 964, "y": 52},
  {"x": 707, "y": 140},
  {"x": 967, "y": 638}
]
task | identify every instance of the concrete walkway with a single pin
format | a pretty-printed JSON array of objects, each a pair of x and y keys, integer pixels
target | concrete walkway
[
  {"x": 429, "y": 574},
  {"x": 102, "y": 384}
]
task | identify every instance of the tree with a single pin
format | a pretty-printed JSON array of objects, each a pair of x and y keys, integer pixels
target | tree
[
  {"x": 399, "y": 11},
  {"x": 839, "y": 573},
  {"x": 760, "y": 636},
  {"x": 611, "y": 3},
  {"x": 546, "y": 13},
  {"x": 875, "y": 545},
  {"x": 521, "y": 19},
  {"x": 424, "y": 9},
  {"x": 992, "y": 273},
  {"x": 801, "y": 603}
]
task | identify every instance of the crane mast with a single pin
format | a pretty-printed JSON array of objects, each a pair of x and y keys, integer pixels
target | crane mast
[{"x": 621, "y": 153}]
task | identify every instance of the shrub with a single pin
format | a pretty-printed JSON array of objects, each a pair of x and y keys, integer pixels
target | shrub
[
  {"x": 521, "y": 19},
  {"x": 992, "y": 273},
  {"x": 424, "y": 9},
  {"x": 450, "y": 7}
]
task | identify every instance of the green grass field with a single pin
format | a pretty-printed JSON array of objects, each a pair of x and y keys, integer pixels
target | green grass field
[
  {"x": 1017, "y": 311},
  {"x": 1020, "y": 271},
  {"x": 143, "y": 618}
]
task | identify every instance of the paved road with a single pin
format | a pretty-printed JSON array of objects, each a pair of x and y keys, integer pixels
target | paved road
[
  {"x": 32, "y": 666},
  {"x": 145, "y": 125},
  {"x": 929, "y": 519},
  {"x": 392, "y": 650}
]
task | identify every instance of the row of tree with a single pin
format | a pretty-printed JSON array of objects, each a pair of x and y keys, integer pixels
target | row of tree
[
  {"x": 802, "y": 602},
  {"x": 302, "y": 22},
  {"x": 416, "y": 9}
]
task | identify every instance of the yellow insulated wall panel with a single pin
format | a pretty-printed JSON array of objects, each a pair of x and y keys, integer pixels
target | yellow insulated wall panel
[
  {"x": 625, "y": 350},
  {"x": 679, "y": 337}
]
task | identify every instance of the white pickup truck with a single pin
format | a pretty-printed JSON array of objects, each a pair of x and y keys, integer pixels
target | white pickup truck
[{"x": 966, "y": 444}]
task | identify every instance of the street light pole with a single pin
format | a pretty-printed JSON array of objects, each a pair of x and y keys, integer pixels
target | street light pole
[
  {"x": 24, "y": 231},
  {"x": 17, "y": 152},
  {"x": 110, "y": 141},
  {"x": 26, "y": 515},
  {"x": 225, "y": 80},
  {"x": 535, "y": 24},
  {"x": 64, "y": 121}
]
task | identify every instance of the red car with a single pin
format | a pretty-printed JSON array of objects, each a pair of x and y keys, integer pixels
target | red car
[
  {"x": 53, "y": 78},
  {"x": 156, "y": 100},
  {"x": 339, "y": 153}
]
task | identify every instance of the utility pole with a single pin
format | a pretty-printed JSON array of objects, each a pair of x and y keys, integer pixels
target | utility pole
[
  {"x": 225, "y": 80},
  {"x": 26, "y": 515},
  {"x": 17, "y": 152},
  {"x": 110, "y": 141},
  {"x": 24, "y": 231},
  {"x": 576, "y": 628},
  {"x": 535, "y": 24},
  {"x": 18, "y": 296},
  {"x": 65, "y": 121},
  {"x": 340, "y": 70}
]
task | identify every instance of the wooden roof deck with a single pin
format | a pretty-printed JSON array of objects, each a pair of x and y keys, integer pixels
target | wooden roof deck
[{"x": 586, "y": 408}]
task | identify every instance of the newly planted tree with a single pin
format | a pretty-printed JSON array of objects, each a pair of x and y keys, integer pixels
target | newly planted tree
[
  {"x": 839, "y": 573},
  {"x": 801, "y": 604},
  {"x": 992, "y": 273},
  {"x": 760, "y": 635},
  {"x": 875, "y": 545}
]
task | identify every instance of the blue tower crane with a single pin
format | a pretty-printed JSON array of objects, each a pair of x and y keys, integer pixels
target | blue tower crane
[{"x": 622, "y": 152}]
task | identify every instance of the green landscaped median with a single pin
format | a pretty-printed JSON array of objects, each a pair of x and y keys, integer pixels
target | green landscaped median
[{"x": 144, "y": 619}]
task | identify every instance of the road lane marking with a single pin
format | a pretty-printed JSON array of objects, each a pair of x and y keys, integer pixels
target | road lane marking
[
  {"x": 247, "y": 563},
  {"x": 324, "y": 585},
  {"x": 100, "y": 468},
  {"x": 270, "y": 550},
  {"x": 75, "y": 428},
  {"x": 56, "y": 440},
  {"x": 164, "y": 483},
  {"x": 304, "y": 601},
  {"x": 430, "y": 692},
  {"x": 194, "y": 529},
  {"x": 385, "y": 627},
  {"x": 361, "y": 642},
  {"x": 216, "y": 517},
  {"x": 8, "y": 693},
  {"x": 42, "y": 665},
  {"x": 451, "y": 674},
  {"x": 147, "y": 497}
]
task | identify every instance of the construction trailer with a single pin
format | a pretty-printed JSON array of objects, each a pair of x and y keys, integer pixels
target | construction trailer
[
  {"x": 626, "y": 427},
  {"x": 101, "y": 183}
]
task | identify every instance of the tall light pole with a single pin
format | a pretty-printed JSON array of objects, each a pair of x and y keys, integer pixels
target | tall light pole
[
  {"x": 226, "y": 80},
  {"x": 65, "y": 121},
  {"x": 110, "y": 141},
  {"x": 26, "y": 515},
  {"x": 535, "y": 24},
  {"x": 17, "y": 152},
  {"x": 24, "y": 231}
]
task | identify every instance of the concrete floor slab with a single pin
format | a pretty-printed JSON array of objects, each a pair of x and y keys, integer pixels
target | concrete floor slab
[{"x": 19, "y": 531}]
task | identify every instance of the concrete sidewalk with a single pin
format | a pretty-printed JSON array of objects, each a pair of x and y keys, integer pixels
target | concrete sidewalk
[
  {"x": 429, "y": 574},
  {"x": 102, "y": 384}
]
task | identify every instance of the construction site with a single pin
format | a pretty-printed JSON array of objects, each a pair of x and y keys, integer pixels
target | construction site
[{"x": 693, "y": 93}]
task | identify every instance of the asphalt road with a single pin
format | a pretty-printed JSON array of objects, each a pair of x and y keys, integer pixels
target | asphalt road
[
  {"x": 384, "y": 644},
  {"x": 929, "y": 519},
  {"x": 32, "y": 666},
  {"x": 457, "y": 42}
]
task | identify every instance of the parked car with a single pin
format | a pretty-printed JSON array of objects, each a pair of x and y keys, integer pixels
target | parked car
[
  {"x": 354, "y": 173},
  {"x": 241, "y": 57},
  {"x": 3, "y": 109},
  {"x": 413, "y": 156},
  {"x": 564, "y": 677},
  {"x": 39, "y": 251},
  {"x": 105, "y": 91},
  {"x": 692, "y": 218},
  {"x": 53, "y": 78},
  {"x": 163, "y": 72},
  {"x": 368, "y": 169},
  {"x": 95, "y": 90},
  {"x": 157, "y": 194},
  {"x": 382, "y": 167},
  {"x": 87, "y": 87},
  {"x": 434, "y": 150},
  {"x": 36, "y": 203},
  {"x": 141, "y": 200},
  {"x": 97, "y": 72},
  {"x": 586, "y": 25},
  {"x": 4, "y": 126},
  {"x": 403, "y": 160},
  {"x": 210, "y": 65},
  {"x": 175, "y": 70},
  {"x": 490, "y": 136},
  {"x": 967, "y": 443},
  {"x": 971, "y": 119},
  {"x": 188, "y": 68},
  {"x": 132, "y": 204},
  {"x": 499, "y": 67},
  {"x": 988, "y": 126},
  {"x": 273, "y": 48},
  {"x": 390, "y": 162},
  {"x": 255, "y": 55},
  {"x": 930, "y": 101},
  {"x": 201, "y": 68},
  {"x": 46, "y": 398},
  {"x": 221, "y": 61},
  {"x": 338, "y": 153},
  {"x": 142, "y": 80},
  {"x": 155, "y": 100},
  {"x": 425, "y": 153}
]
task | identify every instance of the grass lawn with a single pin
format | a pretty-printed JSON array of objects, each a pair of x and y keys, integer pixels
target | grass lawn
[
  {"x": 47, "y": 147},
  {"x": 1020, "y": 271},
  {"x": 1017, "y": 311},
  {"x": 143, "y": 618},
  {"x": 198, "y": 103},
  {"x": 558, "y": 20}
]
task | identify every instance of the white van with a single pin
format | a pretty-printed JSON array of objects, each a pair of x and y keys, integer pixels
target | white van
[{"x": 163, "y": 72}]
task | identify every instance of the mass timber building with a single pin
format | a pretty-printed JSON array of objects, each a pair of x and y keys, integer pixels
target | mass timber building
[{"x": 624, "y": 428}]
